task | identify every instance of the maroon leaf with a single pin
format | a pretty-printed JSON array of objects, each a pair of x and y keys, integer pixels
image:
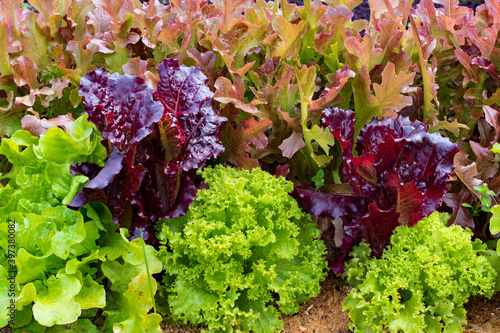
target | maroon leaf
[
  {"x": 399, "y": 176},
  {"x": 380, "y": 225},
  {"x": 184, "y": 93},
  {"x": 341, "y": 124}
]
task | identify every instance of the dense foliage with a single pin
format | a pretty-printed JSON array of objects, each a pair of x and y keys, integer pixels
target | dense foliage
[
  {"x": 398, "y": 177},
  {"x": 243, "y": 249},
  {"x": 50, "y": 236},
  {"x": 421, "y": 282}
]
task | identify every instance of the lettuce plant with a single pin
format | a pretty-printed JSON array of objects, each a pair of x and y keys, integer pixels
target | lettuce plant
[
  {"x": 421, "y": 282},
  {"x": 48, "y": 235},
  {"x": 399, "y": 176},
  {"x": 158, "y": 140},
  {"x": 243, "y": 250},
  {"x": 69, "y": 263}
]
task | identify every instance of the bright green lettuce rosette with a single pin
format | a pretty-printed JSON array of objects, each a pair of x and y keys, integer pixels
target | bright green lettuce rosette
[
  {"x": 422, "y": 281},
  {"x": 244, "y": 250},
  {"x": 61, "y": 255},
  {"x": 48, "y": 236}
]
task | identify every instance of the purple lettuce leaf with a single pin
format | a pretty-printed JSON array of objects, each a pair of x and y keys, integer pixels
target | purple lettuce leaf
[
  {"x": 329, "y": 205},
  {"x": 395, "y": 153},
  {"x": 184, "y": 94},
  {"x": 121, "y": 106},
  {"x": 341, "y": 124}
]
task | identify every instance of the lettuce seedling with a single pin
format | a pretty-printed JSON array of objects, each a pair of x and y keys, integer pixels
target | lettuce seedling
[
  {"x": 421, "y": 282},
  {"x": 243, "y": 250}
]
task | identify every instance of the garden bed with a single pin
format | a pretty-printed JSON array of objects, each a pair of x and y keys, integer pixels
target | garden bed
[
  {"x": 223, "y": 163},
  {"x": 323, "y": 314}
]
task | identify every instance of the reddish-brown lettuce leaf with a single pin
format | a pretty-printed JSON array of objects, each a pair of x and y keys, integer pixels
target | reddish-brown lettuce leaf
[
  {"x": 38, "y": 127},
  {"x": 239, "y": 139}
]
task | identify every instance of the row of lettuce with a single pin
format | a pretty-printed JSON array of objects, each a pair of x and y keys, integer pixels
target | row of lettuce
[{"x": 131, "y": 199}]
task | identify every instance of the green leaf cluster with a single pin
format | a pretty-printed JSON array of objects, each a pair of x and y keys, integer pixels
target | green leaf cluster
[
  {"x": 421, "y": 282},
  {"x": 53, "y": 245},
  {"x": 244, "y": 250},
  {"x": 67, "y": 261}
]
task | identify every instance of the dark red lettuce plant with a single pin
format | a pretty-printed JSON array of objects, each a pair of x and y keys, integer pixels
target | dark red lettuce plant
[
  {"x": 398, "y": 174},
  {"x": 157, "y": 139}
]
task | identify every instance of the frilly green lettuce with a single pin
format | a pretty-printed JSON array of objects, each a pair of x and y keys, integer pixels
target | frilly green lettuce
[
  {"x": 421, "y": 282},
  {"x": 244, "y": 250}
]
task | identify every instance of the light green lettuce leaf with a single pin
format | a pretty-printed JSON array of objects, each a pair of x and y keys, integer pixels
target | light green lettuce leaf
[
  {"x": 57, "y": 247},
  {"x": 30, "y": 267},
  {"x": 5, "y": 299},
  {"x": 92, "y": 294},
  {"x": 421, "y": 282},
  {"x": 62, "y": 147},
  {"x": 130, "y": 296},
  {"x": 495, "y": 220},
  {"x": 34, "y": 233},
  {"x": 70, "y": 230},
  {"x": 19, "y": 149},
  {"x": 27, "y": 296},
  {"x": 56, "y": 303},
  {"x": 79, "y": 326}
]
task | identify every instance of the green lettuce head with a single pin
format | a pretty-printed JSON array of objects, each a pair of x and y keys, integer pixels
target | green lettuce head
[
  {"x": 421, "y": 282},
  {"x": 58, "y": 257},
  {"x": 49, "y": 237},
  {"x": 244, "y": 250}
]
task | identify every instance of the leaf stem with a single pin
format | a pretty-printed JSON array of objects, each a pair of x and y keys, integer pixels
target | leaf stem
[{"x": 147, "y": 271}]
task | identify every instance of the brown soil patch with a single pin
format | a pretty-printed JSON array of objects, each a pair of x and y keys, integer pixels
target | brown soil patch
[
  {"x": 483, "y": 314},
  {"x": 323, "y": 313}
]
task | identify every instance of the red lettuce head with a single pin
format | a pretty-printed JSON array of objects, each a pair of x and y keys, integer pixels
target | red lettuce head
[
  {"x": 158, "y": 139},
  {"x": 399, "y": 175}
]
